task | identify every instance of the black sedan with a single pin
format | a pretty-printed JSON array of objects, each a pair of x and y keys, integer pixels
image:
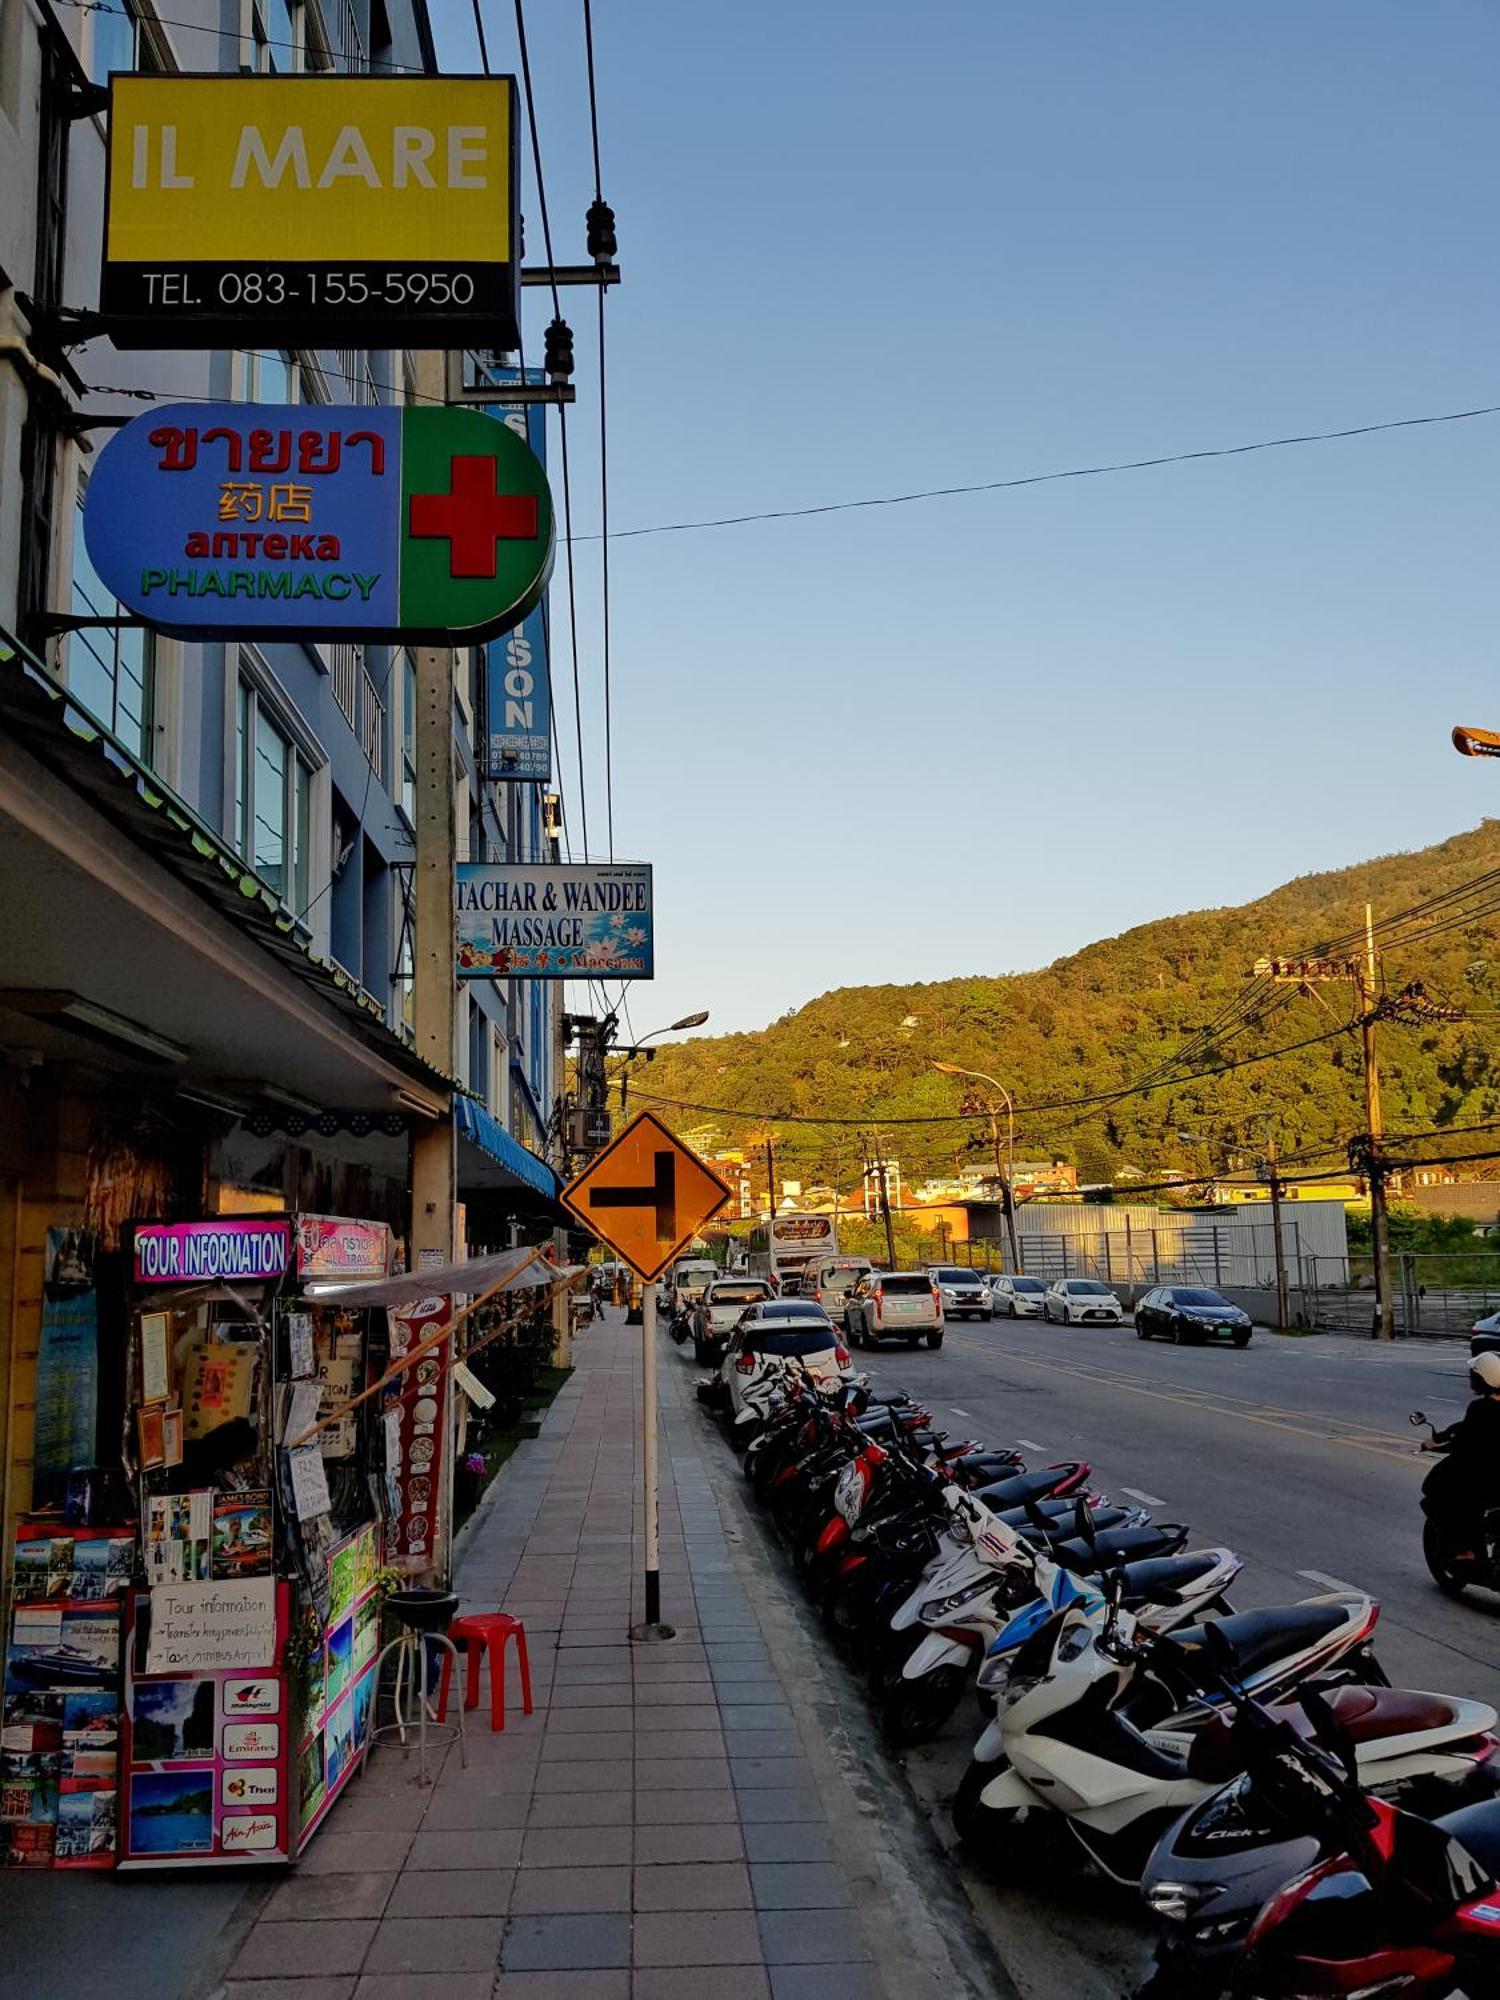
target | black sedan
[{"x": 1187, "y": 1313}]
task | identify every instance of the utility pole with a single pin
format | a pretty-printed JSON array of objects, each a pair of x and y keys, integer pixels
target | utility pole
[
  {"x": 770, "y": 1179},
  {"x": 885, "y": 1204},
  {"x": 1283, "y": 1301},
  {"x": 1385, "y": 1323}
]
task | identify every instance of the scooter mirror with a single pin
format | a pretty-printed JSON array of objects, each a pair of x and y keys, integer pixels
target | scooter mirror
[{"x": 1416, "y": 1416}]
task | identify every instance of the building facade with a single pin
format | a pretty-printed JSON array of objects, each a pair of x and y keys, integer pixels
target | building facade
[{"x": 206, "y": 850}]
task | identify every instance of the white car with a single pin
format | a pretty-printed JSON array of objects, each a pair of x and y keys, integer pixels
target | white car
[
  {"x": 894, "y": 1305},
  {"x": 1082, "y": 1301},
  {"x": 1016, "y": 1298},
  {"x": 792, "y": 1330},
  {"x": 964, "y": 1293},
  {"x": 720, "y": 1311}
]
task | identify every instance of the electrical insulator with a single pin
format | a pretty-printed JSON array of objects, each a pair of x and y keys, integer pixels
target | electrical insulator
[
  {"x": 558, "y": 351},
  {"x": 602, "y": 244}
]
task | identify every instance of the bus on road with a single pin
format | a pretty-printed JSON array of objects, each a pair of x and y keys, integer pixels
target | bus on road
[{"x": 783, "y": 1247}]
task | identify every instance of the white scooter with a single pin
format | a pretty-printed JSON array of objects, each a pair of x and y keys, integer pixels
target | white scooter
[{"x": 1067, "y": 1750}]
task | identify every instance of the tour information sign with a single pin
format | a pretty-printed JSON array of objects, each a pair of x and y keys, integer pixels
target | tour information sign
[
  {"x": 346, "y": 521},
  {"x": 316, "y": 210}
]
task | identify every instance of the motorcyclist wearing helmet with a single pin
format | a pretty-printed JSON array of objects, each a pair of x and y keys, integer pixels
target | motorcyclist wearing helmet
[{"x": 1459, "y": 1492}]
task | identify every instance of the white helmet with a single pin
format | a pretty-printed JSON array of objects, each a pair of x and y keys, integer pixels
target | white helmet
[{"x": 1485, "y": 1369}]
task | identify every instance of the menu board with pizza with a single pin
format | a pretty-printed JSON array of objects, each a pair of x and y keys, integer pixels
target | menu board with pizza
[{"x": 205, "y": 1767}]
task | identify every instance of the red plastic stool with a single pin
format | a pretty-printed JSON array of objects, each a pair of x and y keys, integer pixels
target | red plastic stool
[{"x": 481, "y": 1632}]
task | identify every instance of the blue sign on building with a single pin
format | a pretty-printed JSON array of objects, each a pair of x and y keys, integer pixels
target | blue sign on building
[{"x": 518, "y": 683}]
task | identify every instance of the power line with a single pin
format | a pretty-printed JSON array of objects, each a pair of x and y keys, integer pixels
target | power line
[
  {"x": 1048, "y": 478},
  {"x": 1021, "y": 1110}
]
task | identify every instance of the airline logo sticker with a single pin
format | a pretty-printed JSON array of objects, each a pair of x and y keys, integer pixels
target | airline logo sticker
[
  {"x": 241, "y": 1833},
  {"x": 252, "y": 1739},
  {"x": 252, "y": 1697},
  {"x": 259, "y": 1787}
]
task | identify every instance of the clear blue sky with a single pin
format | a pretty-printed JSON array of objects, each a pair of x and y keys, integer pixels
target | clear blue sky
[{"x": 875, "y": 248}]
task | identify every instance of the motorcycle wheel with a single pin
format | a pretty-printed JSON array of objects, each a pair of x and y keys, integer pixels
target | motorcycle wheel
[
  {"x": 1175, "y": 1974},
  {"x": 965, "y": 1808},
  {"x": 1451, "y": 1582},
  {"x": 918, "y": 1709}
]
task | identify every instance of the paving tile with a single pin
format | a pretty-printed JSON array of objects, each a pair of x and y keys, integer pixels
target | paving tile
[
  {"x": 340, "y": 1988},
  {"x": 565, "y": 1943},
  {"x": 764, "y": 1743},
  {"x": 587, "y": 1697},
  {"x": 364, "y": 1852},
  {"x": 436, "y": 1944},
  {"x": 726, "y": 1982},
  {"x": 578, "y": 1846},
  {"x": 758, "y": 1773},
  {"x": 690, "y": 1844},
  {"x": 791, "y": 1802},
  {"x": 570, "y": 1809},
  {"x": 559, "y": 1889},
  {"x": 757, "y": 1715},
  {"x": 655, "y": 1773},
  {"x": 425, "y": 1986},
  {"x": 474, "y": 1847},
  {"x": 596, "y": 1774},
  {"x": 810, "y": 1937},
  {"x": 825, "y": 1982},
  {"x": 799, "y": 1885},
  {"x": 304, "y": 1951},
  {"x": 316, "y": 1898},
  {"x": 680, "y": 1695},
  {"x": 781, "y": 1840},
  {"x": 589, "y": 1721},
  {"x": 361, "y": 1809},
  {"x": 658, "y": 1742},
  {"x": 697, "y": 1937},
  {"x": 695, "y": 1808},
  {"x": 699, "y": 1885},
  {"x": 476, "y": 1811},
  {"x": 452, "y": 1892},
  {"x": 613, "y": 1985},
  {"x": 591, "y": 1745}
]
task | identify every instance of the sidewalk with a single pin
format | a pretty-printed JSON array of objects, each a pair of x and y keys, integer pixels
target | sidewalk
[{"x": 661, "y": 1826}]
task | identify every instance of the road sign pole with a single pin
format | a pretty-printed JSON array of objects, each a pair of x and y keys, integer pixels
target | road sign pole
[{"x": 653, "y": 1627}]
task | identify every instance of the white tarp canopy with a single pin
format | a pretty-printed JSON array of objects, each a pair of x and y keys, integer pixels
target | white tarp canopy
[{"x": 505, "y": 1270}]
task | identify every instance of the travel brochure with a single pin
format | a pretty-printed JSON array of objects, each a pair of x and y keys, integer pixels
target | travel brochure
[
  {"x": 58, "y": 1761},
  {"x": 242, "y": 1534},
  {"x": 179, "y": 1529},
  {"x": 76, "y": 1563}
]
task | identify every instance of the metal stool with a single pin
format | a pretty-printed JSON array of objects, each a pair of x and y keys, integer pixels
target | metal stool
[{"x": 423, "y": 1614}]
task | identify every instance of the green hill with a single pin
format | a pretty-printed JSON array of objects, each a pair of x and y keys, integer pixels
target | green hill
[{"x": 1120, "y": 1010}]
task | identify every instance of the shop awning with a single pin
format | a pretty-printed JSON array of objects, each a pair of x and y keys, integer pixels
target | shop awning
[
  {"x": 511, "y": 1270},
  {"x": 486, "y": 1132}
]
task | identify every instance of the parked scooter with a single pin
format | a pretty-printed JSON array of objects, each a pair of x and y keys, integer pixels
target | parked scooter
[
  {"x": 1082, "y": 1740},
  {"x": 1216, "y": 1867}
]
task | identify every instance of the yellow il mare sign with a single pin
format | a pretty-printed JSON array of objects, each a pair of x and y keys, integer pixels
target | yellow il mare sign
[{"x": 279, "y": 210}]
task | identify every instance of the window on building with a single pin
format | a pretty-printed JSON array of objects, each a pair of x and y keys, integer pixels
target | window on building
[
  {"x": 110, "y": 668},
  {"x": 275, "y": 37},
  {"x": 407, "y": 775},
  {"x": 113, "y": 36},
  {"x": 273, "y": 802},
  {"x": 271, "y": 376}
]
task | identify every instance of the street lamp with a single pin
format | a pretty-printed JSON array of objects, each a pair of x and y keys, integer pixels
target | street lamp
[
  {"x": 1476, "y": 742},
  {"x": 633, "y": 1050},
  {"x": 1006, "y": 1177}
]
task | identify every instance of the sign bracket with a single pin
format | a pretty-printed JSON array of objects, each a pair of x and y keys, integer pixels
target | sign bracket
[{"x": 570, "y": 274}]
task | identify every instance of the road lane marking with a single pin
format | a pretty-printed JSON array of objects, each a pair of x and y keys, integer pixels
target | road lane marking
[
  {"x": 1332, "y": 1582},
  {"x": 1030, "y": 1444},
  {"x": 960, "y": 1413},
  {"x": 1147, "y": 1499}
]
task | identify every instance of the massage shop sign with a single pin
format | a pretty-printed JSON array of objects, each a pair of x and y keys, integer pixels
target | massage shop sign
[
  {"x": 299, "y": 522},
  {"x": 555, "y": 920}
]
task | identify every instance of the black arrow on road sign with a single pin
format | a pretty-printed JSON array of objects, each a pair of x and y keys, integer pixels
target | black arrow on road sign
[{"x": 661, "y": 1195}]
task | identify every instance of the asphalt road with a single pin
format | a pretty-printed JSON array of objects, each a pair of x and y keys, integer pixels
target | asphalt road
[{"x": 1294, "y": 1452}]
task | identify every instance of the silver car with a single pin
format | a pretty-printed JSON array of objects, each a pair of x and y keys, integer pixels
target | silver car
[{"x": 1017, "y": 1298}]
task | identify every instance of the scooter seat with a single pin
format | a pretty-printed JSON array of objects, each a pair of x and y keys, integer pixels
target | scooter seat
[
  {"x": 1120, "y": 1544},
  {"x": 1367, "y": 1714},
  {"x": 1260, "y": 1638},
  {"x": 1102, "y": 1518},
  {"x": 1477, "y": 1831},
  {"x": 1164, "y": 1579},
  {"x": 1026, "y": 1486}
]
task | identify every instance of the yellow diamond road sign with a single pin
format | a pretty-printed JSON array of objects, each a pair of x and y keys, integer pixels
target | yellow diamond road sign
[{"x": 646, "y": 1195}]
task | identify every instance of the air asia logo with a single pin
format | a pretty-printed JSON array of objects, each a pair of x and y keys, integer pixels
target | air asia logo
[
  {"x": 358, "y": 522},
  {"x": 239, "y": 1832}
]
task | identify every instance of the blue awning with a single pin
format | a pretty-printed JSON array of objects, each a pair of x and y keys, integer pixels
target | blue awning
[{"x": 491, "y": 1137}]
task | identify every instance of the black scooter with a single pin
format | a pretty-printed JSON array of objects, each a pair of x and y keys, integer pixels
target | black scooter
[{"x": 1453, "y": 1577}]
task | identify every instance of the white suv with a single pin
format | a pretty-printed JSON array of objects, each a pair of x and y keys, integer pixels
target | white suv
[
  {"x": 894, "y": 1305},
  {"x": 964, "y": 1293}
]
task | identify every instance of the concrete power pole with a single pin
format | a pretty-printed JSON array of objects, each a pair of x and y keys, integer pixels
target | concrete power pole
[
  {"x": 1283, "y": 1301},
  {"x": 1385, "y": 1320}
]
